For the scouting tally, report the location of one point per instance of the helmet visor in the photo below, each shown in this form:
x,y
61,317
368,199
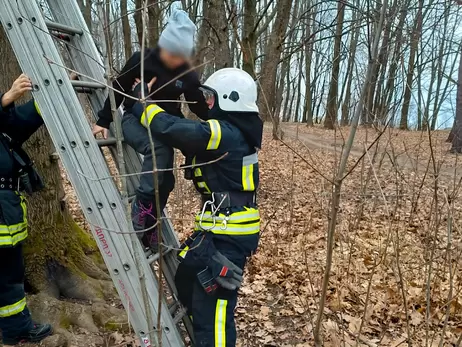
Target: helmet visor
x,y
209,96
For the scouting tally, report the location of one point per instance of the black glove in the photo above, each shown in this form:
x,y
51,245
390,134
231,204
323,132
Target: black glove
x,y
229,277
217,270
136,93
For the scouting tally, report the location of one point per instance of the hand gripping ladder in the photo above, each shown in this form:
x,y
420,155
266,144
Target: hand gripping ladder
x,y
32,37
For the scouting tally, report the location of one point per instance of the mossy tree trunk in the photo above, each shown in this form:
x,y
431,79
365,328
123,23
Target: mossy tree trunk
x,y
60,257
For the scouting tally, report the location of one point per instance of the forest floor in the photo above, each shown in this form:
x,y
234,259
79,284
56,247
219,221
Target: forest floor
x,y
397,252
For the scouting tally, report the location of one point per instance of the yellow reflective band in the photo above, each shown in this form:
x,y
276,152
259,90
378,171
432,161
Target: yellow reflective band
x,y
203,185
215,134
24,209
247,178
241,218
232,230
37,108
11,310
183,252
220,323
12,229
198,174
13,240
149,114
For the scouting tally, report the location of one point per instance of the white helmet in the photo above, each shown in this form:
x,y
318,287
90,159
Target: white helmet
x,y
236,90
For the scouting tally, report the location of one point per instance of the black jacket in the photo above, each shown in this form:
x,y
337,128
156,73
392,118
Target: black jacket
x,y
153,67
18,123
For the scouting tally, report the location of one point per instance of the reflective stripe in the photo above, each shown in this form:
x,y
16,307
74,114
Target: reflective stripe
x,y
11,310
204,186
232,230
215,134
250,159
183,252
12,240
248,162
220,323
149,114
37,108
199,179
10,235
12,229
242,218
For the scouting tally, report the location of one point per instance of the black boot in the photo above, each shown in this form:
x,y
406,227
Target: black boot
x,y
36,334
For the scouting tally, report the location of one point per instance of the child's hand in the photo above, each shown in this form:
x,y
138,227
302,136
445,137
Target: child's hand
x,y
150,84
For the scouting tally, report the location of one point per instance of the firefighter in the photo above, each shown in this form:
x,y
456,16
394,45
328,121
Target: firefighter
x,y
17,124
223,152
167,67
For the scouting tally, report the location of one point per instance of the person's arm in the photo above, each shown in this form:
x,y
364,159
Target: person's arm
x,y
123,83
185,134
193,94
22,121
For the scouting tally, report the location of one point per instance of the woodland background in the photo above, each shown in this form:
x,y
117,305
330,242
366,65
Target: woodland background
x,y
360,190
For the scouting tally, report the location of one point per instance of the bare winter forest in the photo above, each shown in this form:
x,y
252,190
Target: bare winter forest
x,y
361,174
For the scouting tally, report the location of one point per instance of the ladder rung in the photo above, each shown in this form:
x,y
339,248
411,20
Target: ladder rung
x,y
111,141
63,28
156,256
83,90
179,316
86,84
173,307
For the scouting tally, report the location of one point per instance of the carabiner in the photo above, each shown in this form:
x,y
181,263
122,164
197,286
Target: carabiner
x,y
212,204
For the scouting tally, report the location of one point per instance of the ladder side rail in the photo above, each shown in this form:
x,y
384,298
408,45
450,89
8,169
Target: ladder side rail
x,y
49,107
92,65
106,244
87,60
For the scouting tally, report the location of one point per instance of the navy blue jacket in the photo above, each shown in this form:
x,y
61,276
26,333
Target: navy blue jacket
x,y
18,123
236,171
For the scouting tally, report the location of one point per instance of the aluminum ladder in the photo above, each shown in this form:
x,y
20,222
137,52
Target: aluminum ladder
x,y
34,32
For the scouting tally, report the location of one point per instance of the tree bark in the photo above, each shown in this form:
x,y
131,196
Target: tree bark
x,y
345,117
456,132
138,20
332,109
127,31
219,34
308,109
154,28
249,37
273,50
57,251
410,69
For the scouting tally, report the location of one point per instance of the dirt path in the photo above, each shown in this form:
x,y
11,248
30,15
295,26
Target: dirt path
x,y
403,159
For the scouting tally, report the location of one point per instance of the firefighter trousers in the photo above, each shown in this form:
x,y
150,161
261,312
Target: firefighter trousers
x,y
212,315
14,315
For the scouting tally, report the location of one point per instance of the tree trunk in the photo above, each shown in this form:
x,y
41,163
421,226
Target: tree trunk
x,y
126,29
249,37
154,28
57,251
456,132
308,109
332,109
410,69
202,48
219,33
138,20
273,50
345,118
